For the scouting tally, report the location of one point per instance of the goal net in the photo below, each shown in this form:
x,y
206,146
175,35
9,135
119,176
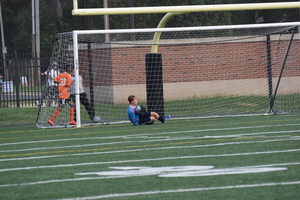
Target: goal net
x,y
196,72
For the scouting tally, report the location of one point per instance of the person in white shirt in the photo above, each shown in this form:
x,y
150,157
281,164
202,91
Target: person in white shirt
x,y
51,91
82,96
51,74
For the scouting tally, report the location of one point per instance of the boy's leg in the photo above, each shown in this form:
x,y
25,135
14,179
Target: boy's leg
x,y
51,120
160,118
147,119
71,102
163,119
72,112
157,116
85,102
154,114
57,111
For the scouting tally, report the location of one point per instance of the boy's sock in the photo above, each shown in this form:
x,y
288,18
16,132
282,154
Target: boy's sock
x,y
55,114
161,118
72,114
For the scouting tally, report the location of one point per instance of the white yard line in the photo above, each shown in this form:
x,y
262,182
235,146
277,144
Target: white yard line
x,y
113,177
147,134
146,149
147,160
184,190
148,139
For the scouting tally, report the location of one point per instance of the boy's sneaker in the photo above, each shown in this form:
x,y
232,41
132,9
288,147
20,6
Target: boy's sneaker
x,y
38,103
165,118
72,122
51,122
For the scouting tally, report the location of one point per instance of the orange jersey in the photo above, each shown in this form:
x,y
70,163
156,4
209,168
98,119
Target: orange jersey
x,y
64,82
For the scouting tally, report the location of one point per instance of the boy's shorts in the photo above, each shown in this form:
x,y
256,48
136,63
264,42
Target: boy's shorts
x,y
146,119
63,101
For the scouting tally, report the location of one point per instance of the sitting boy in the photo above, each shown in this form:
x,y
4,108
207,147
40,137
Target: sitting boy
x,y
138,115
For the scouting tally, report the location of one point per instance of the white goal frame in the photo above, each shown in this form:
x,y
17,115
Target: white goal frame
x,y
153,30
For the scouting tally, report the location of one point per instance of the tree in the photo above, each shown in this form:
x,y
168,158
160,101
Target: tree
x,y
56,17
15,24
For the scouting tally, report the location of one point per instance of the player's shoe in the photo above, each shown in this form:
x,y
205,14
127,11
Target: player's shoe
x,y
165,118
72,122
51,122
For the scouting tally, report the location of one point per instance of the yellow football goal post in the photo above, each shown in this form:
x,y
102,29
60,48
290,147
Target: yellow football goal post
x,y
187,8
177,10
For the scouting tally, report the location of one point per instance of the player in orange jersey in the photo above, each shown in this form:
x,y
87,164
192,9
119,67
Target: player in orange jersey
x,y
64,82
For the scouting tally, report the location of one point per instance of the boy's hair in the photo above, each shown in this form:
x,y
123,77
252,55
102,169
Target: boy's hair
x,y
131,98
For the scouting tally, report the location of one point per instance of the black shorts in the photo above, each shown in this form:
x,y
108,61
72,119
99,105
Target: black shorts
x,y
146,119
52,90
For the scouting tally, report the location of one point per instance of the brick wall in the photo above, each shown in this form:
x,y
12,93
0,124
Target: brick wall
x,y
185,62
206,62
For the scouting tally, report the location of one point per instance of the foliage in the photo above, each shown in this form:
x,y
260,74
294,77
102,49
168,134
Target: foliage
x,y
17,21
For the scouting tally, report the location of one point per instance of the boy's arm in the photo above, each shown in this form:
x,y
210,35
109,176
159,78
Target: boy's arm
x,y
56,79
69,80
132,116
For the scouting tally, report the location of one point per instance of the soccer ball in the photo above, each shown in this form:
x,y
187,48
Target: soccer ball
x,y
96,119
137,108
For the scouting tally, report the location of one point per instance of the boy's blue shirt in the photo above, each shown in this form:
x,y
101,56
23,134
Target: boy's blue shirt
x,y
132,115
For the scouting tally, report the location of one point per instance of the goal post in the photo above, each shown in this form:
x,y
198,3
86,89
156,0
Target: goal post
x,y
273,96
209,71
154,83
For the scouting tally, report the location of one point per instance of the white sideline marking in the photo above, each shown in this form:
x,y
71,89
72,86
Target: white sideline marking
x,y
146,134
144,141
148,149
109,177
183,190
146,160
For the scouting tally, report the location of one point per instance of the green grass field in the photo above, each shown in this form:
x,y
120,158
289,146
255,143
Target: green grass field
x,y
18,116
214,158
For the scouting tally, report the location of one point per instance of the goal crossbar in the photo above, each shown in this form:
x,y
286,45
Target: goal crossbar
x,y
190,8
153,30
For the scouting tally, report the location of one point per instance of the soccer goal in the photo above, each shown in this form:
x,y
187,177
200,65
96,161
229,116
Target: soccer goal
x,y
196,71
